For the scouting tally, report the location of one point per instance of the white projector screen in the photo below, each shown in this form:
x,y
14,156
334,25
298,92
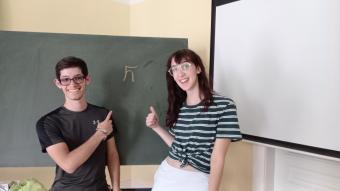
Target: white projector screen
x,y
279,60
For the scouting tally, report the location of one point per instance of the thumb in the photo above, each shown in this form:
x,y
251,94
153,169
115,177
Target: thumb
x,y
108,116
152,110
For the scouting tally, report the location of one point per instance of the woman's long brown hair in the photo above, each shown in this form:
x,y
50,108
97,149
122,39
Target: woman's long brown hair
x,y
176,96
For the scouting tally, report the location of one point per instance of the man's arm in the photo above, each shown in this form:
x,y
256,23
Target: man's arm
x,y
113,164
70,161
217,163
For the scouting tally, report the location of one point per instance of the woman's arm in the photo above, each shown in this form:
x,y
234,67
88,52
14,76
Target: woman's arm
x,y
217,163
153,122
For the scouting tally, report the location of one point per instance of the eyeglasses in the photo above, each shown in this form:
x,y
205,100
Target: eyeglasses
x,y
76,80
184,67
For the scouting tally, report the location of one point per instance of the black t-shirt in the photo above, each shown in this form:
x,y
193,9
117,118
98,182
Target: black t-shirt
x,y
75,128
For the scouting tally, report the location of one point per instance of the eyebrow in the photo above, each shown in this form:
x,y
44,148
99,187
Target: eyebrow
x,y
184,61
66,76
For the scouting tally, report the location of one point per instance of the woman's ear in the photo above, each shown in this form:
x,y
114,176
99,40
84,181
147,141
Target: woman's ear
x,y
198,70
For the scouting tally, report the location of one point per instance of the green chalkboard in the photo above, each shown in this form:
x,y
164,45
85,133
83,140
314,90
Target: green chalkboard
x,y
128,75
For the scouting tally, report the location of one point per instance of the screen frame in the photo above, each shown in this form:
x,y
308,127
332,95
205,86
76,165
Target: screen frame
x,y
253,138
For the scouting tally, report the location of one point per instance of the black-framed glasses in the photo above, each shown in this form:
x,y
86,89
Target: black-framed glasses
x,y
75,79
184,67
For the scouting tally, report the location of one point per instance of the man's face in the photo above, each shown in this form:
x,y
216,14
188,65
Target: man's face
x,y
72,82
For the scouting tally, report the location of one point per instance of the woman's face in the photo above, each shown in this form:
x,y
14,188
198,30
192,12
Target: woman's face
x,y
185,74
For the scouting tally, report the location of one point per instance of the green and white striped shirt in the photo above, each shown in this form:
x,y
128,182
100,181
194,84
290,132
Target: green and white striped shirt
x,y
196,130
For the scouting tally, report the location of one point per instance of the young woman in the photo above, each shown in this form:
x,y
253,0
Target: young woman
x,y
201,126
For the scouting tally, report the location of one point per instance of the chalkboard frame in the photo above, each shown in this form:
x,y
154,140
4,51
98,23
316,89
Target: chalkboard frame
x,y
106,57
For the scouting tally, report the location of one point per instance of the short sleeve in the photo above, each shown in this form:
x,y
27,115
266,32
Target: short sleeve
x,y
171,131
48,133
114,130
227,125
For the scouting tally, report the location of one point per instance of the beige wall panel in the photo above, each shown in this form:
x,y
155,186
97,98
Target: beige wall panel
x,y
237,173
45,175
238,168
174,18
132,176
65,16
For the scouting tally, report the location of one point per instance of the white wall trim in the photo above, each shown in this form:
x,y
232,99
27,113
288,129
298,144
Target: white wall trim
x,y
298,172
279,169
294,151
263,168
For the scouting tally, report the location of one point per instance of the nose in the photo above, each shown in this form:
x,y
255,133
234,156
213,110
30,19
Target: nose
x,y
179,73
72,82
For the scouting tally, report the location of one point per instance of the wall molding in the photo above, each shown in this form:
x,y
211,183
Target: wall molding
x,y
129,2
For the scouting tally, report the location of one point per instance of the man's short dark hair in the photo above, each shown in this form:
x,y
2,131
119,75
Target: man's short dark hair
x,y
71,62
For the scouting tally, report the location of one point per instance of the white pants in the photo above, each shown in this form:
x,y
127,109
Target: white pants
x,y
169,178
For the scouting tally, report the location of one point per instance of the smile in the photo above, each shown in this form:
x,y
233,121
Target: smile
x,y
184,80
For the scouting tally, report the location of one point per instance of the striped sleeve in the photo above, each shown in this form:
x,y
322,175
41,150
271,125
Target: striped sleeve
x,y
227,125
171,131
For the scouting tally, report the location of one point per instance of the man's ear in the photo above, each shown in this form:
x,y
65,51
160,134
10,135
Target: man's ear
x,y
88,79
57,83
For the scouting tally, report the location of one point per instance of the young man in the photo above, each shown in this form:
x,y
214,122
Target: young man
x,y
78,136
